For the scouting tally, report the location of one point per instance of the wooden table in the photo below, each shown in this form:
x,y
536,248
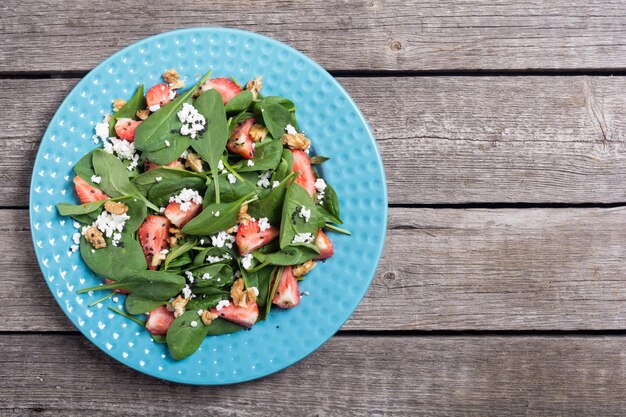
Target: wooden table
x,y
502,288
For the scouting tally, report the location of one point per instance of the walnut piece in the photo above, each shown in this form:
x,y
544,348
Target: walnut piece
x,y
242,215
207,317
173,79
242,297
255,86
176,232
258,132
157,259
115,208
118,103
179,305
194,162
303,269
172,240
95,237
143,114
297,141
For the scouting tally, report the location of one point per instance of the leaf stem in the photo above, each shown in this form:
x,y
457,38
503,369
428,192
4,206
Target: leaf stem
x,y
128,316
216,182
106,297
230,168
337,229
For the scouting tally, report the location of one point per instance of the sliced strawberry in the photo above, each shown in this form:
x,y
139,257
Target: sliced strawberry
x,y
287,294
302,163
179,217
325,246
159,95
250,237
110,281
125,128
225,86
240,141
153,234
86,193
243,316
148,166
159,320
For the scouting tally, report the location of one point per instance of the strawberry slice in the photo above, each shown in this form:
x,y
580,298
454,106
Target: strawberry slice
x,y
159,95
287,294
225,86
159,320
110,281
250,237
86,193
148,166
153,234
325,246
302,163
179,217
243,316
125,128
240,141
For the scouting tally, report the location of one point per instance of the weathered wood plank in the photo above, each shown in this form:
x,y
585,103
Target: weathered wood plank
x,y
340,35
443,139
482,376
441,270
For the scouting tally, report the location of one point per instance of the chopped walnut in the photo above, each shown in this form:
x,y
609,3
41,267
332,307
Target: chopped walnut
x,y
115,208
194,162
241,297
297,141
118,103
172,240
157,259
173,79
95,237
258,132
143,114
207,317
176,232
179,305
242,215
255,86
303,269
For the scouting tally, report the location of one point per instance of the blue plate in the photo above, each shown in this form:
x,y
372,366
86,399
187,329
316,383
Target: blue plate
x,y
327,115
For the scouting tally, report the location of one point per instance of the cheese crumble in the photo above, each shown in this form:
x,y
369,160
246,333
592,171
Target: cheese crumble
x,y
246,261
193,122
185,198
264,179
222,304
264,224
302,238
305,213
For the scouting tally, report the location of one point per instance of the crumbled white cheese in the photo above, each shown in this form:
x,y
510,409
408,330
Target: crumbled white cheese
x,y
186,291
305,213
222,304
184,155
193,323
109,224
206,276
291,130
213,259
193,122
96,179
200,312
320,186
117,237
123,149
161,209
255,290
217,214
246,261
158,179
222,239
220,165
264,179
201,241
167,143
76,238
154,107
232,179
102,129
172,94
185,198
302,238
227,256
250,163
275,184
264,224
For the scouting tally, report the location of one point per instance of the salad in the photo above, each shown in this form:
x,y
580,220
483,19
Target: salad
x,y
202,206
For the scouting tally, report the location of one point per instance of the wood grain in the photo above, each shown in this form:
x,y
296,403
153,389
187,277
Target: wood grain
x,y
442,139
341,35
472,376
507,269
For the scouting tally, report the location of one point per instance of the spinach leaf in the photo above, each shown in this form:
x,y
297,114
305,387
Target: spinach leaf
x,y
137,212
329,207
269,100
276,118
318,159
273,287
290,255
179,251
292,223
137,305
221,326
284,167
201,257
147,180
267,155
110,261
271,205
167,154
240,102
207,301
230,192
66,209
261,279
180,262
185,335
152,133
234,121
207,223
210,145
221,275
161,192
152,285
84,169
129,110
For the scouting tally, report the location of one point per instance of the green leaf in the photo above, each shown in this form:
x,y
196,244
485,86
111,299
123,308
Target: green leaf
x,y
292,223
271,205
221,276
261,279
207,223
207,301
329,207
221,326
110,261
66,209
234,121
272,288
269,100
179,251
229,191
167,154
84,169
167,187
276,118
267,155
284,167
137,305
152,285
147,180
240,102
318,159
152,133
137,212
201,257
129,110
180,262
291,255
185,335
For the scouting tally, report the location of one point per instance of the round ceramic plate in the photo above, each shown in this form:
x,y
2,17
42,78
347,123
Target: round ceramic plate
x,y
328,116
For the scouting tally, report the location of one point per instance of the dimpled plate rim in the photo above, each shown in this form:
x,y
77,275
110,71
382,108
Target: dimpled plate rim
x,y
363,199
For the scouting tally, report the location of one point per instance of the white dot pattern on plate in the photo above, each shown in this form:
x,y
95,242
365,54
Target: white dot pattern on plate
x,y
326,114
